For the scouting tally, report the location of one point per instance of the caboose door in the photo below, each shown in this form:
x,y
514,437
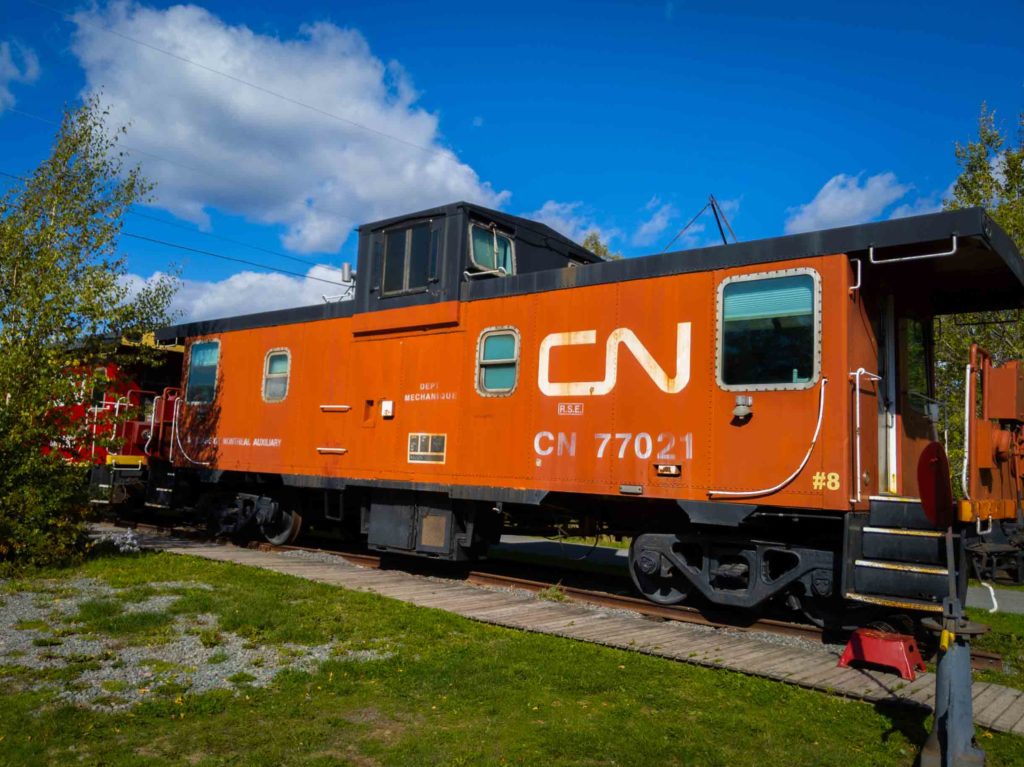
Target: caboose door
x,y
907,411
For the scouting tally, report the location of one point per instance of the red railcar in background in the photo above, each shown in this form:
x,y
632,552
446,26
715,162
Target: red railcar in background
x,y
109,423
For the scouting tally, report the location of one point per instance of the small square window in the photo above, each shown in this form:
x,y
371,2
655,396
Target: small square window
x,y
491,250
497,362
275,375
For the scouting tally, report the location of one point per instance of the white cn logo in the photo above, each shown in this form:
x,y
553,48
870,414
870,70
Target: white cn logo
x,y
623,336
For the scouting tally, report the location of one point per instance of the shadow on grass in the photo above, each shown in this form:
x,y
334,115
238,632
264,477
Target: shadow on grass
x,y
912,722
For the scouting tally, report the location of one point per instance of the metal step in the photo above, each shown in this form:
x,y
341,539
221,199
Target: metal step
x,y
903,513
904,531
902,567
898,604
900,580
901,545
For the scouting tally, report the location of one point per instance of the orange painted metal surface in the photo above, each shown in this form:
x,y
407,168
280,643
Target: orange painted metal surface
x,y
588,414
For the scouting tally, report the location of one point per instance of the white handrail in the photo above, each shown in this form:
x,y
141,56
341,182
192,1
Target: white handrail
x,y
176,437
152,425
950,252
968,414
854,288
795,474
856,377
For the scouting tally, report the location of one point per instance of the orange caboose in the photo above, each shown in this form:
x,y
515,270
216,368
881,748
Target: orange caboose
x,y
761,416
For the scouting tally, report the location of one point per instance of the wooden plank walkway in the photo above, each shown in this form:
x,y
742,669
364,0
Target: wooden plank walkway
x,y
995,707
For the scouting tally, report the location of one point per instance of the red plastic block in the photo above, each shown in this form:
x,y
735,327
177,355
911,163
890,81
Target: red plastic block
x,y
880,648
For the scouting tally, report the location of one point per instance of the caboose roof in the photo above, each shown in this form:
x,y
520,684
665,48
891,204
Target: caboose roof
x,y
520,225
985,272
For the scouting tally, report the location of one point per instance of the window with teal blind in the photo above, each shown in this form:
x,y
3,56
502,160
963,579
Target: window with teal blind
x,y
768,332
498,361
202,371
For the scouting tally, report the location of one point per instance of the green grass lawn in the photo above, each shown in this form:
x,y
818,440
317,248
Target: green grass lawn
x,y
440,690
1006,637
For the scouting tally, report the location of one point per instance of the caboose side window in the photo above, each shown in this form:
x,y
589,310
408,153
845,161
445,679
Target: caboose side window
x,y
202,371
410,256
490,250
497,361
275,375
769,331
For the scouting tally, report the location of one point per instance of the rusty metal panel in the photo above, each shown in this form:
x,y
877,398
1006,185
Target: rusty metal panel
x,y
410,317
982,449
434,530
1005,392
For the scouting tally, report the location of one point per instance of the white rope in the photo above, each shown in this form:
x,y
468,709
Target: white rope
x,y
176,437
991,593
800,468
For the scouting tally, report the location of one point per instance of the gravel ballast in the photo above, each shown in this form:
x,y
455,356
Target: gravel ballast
x,y
40,631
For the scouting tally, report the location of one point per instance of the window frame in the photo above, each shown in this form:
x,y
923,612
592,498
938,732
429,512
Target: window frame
x,y
720,329
481,365
216,372
495,231
266,374
432,257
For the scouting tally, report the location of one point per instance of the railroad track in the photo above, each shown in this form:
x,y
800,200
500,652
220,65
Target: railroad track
x,y
980,659
607,599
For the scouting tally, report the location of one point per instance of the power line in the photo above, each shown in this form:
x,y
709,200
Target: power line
x,y
231,240
259,248
247,83
228,258
136,150
221,256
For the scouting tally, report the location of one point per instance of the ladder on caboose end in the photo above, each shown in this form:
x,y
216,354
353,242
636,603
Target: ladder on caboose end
x,y
895,558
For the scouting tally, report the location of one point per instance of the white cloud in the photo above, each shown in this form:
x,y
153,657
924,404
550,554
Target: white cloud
x,y
922,205
846,200
649,231
572,220
918,207
731,207
246,292
11,71
245,152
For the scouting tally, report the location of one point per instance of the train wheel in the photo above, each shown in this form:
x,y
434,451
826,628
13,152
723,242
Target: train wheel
x,y
655,577
283,529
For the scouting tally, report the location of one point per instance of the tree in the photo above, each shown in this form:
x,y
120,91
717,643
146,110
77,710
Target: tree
x,y
992,176
595,245
65,306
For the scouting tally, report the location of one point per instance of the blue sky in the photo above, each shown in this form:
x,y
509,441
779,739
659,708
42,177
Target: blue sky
x,y
615,116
